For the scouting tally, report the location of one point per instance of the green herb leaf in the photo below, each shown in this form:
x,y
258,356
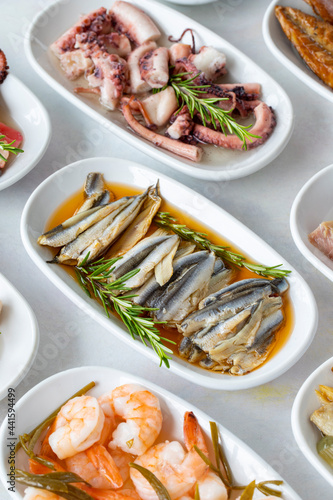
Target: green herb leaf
x,y
4,146
166,221
154,482
57,482
93,278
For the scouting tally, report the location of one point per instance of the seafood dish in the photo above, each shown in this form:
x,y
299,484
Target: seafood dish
x,y
10,139
131,249
216,163
312,38
19,336
323,420
284,50
127,180
135,430
312,419
173,90
322,238
311,229
24,122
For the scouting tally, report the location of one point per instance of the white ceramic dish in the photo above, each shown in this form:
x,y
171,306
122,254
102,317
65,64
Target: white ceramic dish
x,y
59,186
191,2
305,432
40,401
313,205
282,49
19,337
217,164
31,118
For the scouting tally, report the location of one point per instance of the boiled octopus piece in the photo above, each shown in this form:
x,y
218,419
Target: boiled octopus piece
x,y
154,67
264,126
134,23
98,21
136,84
179,51
210,61
190,152
112,43
109,76
75,63
248,91
3,66
159,107
182,124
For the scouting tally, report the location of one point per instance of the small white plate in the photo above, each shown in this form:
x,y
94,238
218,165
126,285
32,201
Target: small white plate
x,y
305,432
28,113
282,49
313,205
59,186
217,163
19,337
45,397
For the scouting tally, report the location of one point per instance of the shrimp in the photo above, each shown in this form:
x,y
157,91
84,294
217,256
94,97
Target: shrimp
x,y
38,494
177,469
77,427
97,467
125,494
143,419
211,487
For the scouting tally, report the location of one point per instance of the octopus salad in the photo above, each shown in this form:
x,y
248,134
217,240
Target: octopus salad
x,y
109,447
222,324
174,97
323,419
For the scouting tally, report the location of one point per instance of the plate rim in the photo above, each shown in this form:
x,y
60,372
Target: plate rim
x,y
25,170
250,380
166,395
313,84
173,161
295,232
313,459
18,377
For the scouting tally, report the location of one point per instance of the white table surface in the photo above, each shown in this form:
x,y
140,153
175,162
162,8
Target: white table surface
x,y
262,201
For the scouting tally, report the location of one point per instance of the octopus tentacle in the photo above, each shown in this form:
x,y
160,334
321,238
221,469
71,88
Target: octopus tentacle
x,y
188,151
3,66
264,126
182,124
98,21
133,22
154,67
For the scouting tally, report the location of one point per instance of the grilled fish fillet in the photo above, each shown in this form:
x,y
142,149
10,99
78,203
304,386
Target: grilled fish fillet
x,y
324,8
313,39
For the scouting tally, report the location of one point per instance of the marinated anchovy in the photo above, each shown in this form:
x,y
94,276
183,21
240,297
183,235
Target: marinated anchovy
x,y
234,331
145,256
184,294
95,193
140,225
112,231
71,252
67,231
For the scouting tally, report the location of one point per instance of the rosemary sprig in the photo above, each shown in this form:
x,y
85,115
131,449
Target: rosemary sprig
x,y
93,278
4,146
165,220
189,93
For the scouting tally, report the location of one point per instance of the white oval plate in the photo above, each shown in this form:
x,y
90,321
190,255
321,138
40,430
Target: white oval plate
x,y
313,205
45,397
305,432
282,49
59,186
19,337
34,124
217,164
